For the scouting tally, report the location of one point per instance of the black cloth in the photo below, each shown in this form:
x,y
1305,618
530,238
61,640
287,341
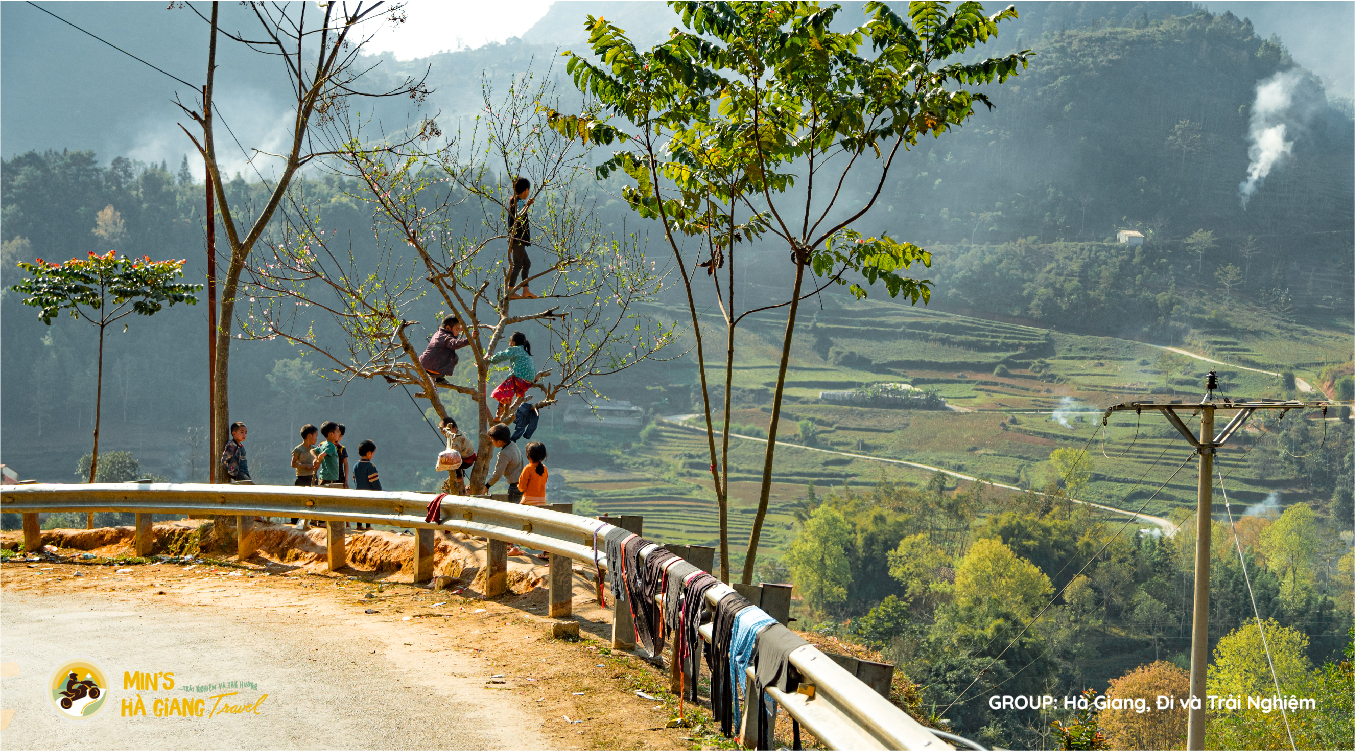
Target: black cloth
x,y
343,465
717,658
631,563
672,594
689,638
771,664
365,476
611,547
304,481
645,611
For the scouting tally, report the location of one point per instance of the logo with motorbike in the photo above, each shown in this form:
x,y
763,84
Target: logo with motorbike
x,y
78,689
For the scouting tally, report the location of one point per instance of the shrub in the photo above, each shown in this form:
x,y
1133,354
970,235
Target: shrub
x,y
1345,389
1001,370
1287,380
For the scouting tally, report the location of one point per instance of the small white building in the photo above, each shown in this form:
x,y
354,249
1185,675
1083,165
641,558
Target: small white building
x,y
1130,237
617,414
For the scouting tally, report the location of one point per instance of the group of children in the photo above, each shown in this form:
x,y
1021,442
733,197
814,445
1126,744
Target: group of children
x,y
321,459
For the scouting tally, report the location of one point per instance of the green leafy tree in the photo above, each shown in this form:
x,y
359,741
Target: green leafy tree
x,y
117,466
102,290
1200,242
916,563
1291,545
754,100
990,574
1242,666
818,559
1074,468
1228,276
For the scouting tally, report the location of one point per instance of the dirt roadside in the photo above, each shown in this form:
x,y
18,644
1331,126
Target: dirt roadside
x,y
501,644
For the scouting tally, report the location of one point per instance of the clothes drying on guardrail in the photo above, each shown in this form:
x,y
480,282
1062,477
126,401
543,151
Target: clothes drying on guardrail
x,y
645,612
678,574
691,618
435,510
771,665
611,546
747,626
717,657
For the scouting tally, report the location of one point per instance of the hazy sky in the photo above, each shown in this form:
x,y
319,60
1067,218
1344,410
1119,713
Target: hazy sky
x,y
475,24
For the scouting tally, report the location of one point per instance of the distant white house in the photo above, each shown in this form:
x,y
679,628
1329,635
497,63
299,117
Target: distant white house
x,y
1130,237
617,414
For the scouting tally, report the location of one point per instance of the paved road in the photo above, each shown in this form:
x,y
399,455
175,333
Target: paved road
x,y
1166,526
331,682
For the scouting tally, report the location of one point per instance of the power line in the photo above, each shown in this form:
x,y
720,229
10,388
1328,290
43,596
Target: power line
x,y
1246,577
958,699
114,46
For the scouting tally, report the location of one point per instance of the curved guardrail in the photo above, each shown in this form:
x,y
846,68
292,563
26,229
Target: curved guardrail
x,y
840,710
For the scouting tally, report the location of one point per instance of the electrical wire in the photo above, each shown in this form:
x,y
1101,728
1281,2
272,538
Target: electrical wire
x,y
422,414
1137,426
1246,577
114,46
960,698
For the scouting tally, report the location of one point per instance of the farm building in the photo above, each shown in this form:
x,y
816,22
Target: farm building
x,y
1130,237
618,414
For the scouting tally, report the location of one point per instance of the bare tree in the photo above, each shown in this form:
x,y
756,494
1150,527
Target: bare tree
x,y
318,51
441,221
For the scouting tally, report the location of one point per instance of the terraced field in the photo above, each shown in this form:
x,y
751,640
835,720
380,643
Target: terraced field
x,y
1016,393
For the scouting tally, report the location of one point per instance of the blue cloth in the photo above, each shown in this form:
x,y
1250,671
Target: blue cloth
x,y
524,422
747,624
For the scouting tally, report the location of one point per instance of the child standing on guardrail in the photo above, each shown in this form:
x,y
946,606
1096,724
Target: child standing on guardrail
x,y
532,481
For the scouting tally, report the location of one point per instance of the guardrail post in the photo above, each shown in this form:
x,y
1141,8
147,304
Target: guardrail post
x,y
564,508
561,586
701,556
32,534
748,730
334,544
244,527
496,568
144,538
425,544
776,601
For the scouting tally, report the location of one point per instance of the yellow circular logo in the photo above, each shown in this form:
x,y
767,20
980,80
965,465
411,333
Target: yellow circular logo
x,y
78,689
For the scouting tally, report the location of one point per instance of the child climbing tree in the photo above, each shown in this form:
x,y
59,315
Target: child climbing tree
x,y
442,224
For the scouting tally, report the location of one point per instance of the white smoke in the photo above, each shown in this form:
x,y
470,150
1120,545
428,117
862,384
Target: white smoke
x,y
1068,406
1274,117
1269,508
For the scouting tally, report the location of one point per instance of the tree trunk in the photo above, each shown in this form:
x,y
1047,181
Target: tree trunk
x,y
722,479
216,442
751,560
98,413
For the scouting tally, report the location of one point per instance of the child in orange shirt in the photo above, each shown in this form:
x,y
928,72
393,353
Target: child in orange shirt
x,y
532,482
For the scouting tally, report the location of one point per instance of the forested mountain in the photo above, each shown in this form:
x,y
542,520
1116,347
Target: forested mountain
x,y
1131,115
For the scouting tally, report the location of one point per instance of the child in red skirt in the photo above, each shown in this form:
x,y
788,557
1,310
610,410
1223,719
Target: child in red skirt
x,y
524,372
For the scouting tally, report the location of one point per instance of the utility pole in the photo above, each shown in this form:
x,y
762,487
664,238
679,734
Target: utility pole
x,y
1206,445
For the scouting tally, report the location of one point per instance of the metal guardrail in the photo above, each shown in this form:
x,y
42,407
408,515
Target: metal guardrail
x,y
841,711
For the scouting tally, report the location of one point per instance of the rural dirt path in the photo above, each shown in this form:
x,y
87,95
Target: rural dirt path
x,y
1166,526
345,664
1219,362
